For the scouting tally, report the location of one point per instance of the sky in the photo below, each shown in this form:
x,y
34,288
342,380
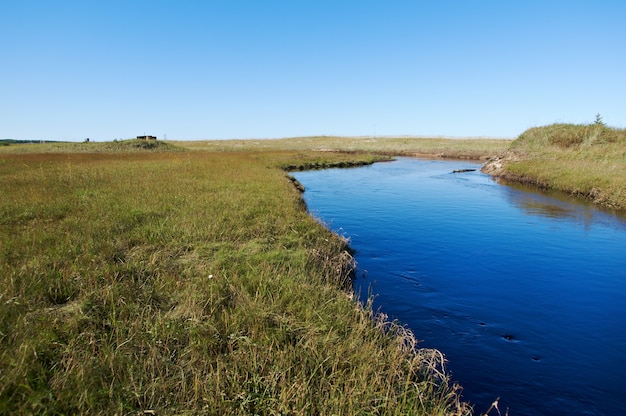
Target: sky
x,y
237,69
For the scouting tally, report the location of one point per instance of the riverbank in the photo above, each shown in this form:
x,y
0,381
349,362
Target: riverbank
x,y
170,281
587,161
188,277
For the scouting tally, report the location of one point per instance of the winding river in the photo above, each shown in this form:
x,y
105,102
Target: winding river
x,y
524,292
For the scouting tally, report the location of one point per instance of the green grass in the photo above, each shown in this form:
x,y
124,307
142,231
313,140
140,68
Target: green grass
x,y
117,146
187,277
584,160
189,282
470,148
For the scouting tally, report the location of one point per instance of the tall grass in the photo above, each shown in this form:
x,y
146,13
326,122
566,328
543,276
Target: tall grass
x,y
584,160
189,283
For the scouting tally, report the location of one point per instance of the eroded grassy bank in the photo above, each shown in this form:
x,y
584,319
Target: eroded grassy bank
x,y
189,282
139,277
583,160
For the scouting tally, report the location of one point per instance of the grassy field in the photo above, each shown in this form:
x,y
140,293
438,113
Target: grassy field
x,y
584,160
471,148
159,280
117,146
187,278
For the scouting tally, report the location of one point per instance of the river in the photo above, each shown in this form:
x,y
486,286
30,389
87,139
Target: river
x,y
524,292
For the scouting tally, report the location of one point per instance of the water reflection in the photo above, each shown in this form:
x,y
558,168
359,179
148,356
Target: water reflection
x,y
558,205
524,292
534,207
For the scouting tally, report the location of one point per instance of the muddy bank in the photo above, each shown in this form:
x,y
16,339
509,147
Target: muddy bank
x,y
497,169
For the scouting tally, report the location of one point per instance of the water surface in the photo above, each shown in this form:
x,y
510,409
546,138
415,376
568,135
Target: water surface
x,y
524,292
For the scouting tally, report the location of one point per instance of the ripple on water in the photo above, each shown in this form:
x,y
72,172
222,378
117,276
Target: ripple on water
x,y
524,292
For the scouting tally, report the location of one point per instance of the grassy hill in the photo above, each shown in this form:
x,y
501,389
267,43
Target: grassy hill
x,y
586,160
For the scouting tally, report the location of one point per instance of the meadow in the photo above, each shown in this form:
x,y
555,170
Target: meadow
x,y
164,280
188,278
468,148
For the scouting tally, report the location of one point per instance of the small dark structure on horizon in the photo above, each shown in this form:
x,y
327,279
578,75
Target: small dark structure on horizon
x,y
146,138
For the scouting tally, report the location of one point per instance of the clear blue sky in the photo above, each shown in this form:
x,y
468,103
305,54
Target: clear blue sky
x,y
219,69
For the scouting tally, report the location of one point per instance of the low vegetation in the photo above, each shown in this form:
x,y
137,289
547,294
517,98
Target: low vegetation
x,y
116,146
154,281
470,148
187,278
586,160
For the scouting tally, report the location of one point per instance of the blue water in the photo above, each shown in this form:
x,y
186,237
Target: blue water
x,y
525,293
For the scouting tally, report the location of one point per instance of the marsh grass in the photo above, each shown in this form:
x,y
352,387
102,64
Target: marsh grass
x,y
189,283
116,146
583,160
469,148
